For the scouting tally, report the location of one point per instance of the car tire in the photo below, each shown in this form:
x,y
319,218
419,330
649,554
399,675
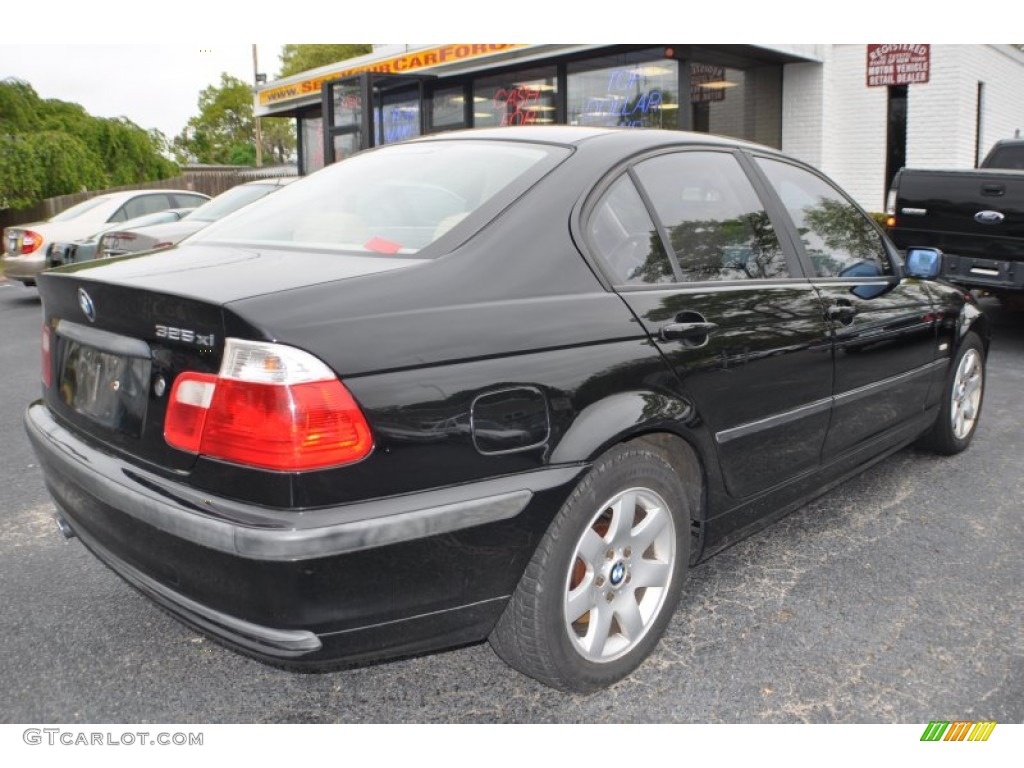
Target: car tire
x,y
962,396
605,579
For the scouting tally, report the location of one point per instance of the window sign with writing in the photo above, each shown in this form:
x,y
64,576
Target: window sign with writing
x,y
524,98
635,95
892,64
707,83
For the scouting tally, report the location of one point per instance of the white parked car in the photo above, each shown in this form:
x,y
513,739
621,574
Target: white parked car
x,y
25,245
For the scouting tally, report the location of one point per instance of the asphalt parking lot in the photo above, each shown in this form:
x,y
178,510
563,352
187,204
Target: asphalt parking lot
x,y
896,597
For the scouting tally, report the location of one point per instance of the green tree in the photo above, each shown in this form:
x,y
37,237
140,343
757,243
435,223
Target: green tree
x,y
66,164
19,111
278,139
21,178
298,58
50,147
223,125
127,152
224,131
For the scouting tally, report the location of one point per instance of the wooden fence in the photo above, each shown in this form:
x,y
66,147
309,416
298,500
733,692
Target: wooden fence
x,y
210,180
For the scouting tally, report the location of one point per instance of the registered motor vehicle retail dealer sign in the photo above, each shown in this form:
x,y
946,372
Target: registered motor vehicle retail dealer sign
x,y
889,64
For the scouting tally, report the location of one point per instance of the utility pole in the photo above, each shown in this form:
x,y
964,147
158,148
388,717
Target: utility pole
x,y
259,131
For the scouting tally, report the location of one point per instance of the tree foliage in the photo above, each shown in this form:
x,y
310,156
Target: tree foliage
x,y
222,127
224,130
50,147
298,58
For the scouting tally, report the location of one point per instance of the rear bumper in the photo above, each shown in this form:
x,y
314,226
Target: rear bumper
x,y
994,274
59,254
23,268
363,580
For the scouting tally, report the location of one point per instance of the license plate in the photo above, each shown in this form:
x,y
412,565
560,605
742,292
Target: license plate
x,y
109,389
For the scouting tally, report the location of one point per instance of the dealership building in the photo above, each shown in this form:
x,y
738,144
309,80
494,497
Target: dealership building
x,y
858,112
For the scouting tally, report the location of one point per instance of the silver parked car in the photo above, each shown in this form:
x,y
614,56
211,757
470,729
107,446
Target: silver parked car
x,y
130,240
87,249
26,245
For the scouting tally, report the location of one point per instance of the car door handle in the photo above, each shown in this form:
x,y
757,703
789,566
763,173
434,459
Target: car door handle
x,y
687,331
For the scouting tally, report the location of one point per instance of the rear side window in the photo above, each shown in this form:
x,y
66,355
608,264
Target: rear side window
x,y
1009,157
141,206
395,200
621,231
715,222
838,238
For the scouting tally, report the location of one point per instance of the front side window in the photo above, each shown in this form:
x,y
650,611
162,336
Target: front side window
x,y
393,201
716,224
187,201
838,238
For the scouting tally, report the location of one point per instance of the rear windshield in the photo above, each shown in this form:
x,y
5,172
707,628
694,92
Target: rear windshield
x,y
1011,158
395,200
77,210
230,201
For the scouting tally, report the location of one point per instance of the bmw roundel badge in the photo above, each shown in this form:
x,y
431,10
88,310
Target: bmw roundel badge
x,y
85,302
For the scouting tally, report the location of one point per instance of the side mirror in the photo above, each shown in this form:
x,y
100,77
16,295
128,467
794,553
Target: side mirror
x,y
924,263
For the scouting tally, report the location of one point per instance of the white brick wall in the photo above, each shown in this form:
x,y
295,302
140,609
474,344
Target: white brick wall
x,y
855,127
942,113
833,120
803,111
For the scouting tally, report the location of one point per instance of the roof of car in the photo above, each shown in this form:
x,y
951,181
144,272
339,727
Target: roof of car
x,y
272,181
575,135
124,194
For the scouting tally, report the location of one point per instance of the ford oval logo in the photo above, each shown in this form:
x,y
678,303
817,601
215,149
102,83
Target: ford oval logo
x,y
988,217
85,302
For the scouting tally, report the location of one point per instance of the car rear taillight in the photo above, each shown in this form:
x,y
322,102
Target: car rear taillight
x,y
162,245
47,365
269,406
30,241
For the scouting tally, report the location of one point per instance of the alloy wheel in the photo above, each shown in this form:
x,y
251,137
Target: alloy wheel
x,y
966,396
620,574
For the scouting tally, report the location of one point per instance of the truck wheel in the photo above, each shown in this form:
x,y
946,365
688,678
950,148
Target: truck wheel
x,y
606,578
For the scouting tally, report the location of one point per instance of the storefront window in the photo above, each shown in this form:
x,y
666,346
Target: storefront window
x,y
312,129
348,104
448,108
398,115
519,98
345,145
742,103
624,90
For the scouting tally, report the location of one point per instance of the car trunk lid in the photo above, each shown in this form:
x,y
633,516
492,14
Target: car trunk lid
x,y
123,331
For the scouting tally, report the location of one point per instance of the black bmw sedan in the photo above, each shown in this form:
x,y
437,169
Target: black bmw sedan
x,y
506,384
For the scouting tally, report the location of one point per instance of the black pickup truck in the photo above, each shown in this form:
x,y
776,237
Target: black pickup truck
x,y
975,217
